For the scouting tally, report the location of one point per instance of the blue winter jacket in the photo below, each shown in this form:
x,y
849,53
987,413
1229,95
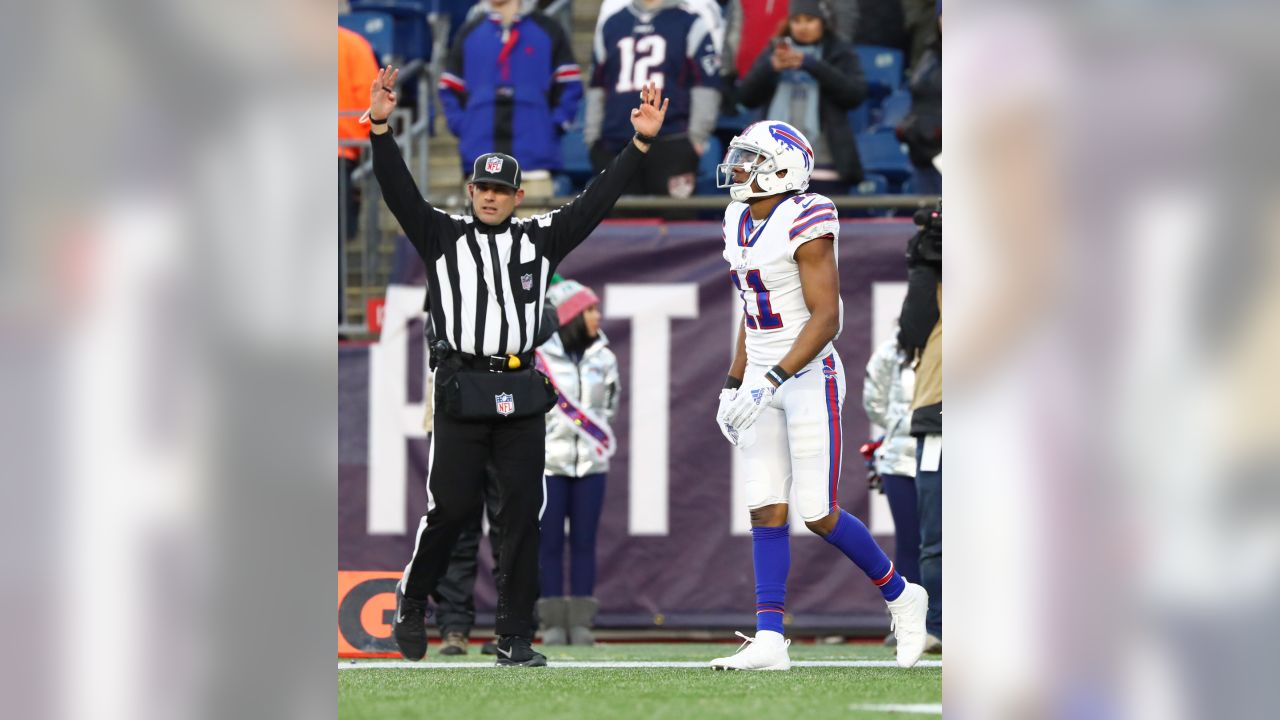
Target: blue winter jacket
x,y
511,89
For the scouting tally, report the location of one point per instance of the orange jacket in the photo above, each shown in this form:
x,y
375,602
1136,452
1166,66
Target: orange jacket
x,y
357,67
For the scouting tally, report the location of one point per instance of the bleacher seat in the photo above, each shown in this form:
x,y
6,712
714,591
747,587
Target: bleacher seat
x,y
705,183
872,184
908,187
882,154
575,157
562,186
409,19
894,108
883,68
860,117
376,27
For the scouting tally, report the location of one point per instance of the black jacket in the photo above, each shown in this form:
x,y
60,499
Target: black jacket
x,y
920,315
921,129
842,86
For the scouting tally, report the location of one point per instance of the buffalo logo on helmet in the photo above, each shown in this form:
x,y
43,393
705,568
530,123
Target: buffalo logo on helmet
x,y
493,165
784,135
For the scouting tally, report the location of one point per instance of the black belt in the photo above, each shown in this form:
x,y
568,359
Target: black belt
x,y
491,363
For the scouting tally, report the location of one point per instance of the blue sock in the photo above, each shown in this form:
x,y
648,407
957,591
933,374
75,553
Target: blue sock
x,y
771,553
854,540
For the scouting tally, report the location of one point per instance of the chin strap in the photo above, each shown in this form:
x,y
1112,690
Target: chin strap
x,y
740,196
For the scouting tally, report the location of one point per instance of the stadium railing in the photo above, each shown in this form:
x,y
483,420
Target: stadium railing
x,y
707,202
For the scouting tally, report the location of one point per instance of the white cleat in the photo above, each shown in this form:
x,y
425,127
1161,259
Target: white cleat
x,y
908,611
766,651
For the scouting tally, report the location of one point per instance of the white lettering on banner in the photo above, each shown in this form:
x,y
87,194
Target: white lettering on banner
x,y
886,306
392,418
650,308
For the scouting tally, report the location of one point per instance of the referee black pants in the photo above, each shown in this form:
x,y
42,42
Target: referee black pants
x,y
455,593
455,492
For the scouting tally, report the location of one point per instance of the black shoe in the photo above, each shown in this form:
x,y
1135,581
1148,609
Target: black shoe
x,y
515,650
489,648
410,626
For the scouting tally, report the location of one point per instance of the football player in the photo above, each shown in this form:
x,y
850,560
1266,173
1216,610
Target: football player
x,y
782,399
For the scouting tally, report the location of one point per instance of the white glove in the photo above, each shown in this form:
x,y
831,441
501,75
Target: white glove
x,y
722,416
750,401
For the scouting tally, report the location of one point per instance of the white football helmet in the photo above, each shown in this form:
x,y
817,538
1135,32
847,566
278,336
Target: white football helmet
x,y
762,150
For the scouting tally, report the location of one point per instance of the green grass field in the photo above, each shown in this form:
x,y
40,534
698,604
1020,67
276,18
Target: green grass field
x,y
368,691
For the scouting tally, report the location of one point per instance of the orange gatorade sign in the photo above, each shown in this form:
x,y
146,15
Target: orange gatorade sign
x,y
366,607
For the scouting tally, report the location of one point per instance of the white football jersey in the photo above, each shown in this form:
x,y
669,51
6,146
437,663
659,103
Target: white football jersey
x,y
761,257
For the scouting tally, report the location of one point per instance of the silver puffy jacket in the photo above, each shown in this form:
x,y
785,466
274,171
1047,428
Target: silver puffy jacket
x,y
591,384
886,396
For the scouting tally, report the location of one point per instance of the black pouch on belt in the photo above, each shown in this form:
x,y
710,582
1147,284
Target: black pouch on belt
x,y
483,395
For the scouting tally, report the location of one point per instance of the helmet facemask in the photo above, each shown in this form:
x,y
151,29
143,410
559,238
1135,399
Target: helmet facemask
x,y
761,168
754,161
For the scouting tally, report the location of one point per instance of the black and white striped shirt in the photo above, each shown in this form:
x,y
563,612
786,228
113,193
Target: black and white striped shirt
x,y
487,283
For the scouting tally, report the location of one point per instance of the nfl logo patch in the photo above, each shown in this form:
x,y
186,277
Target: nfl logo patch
x,y
506,404
493,165
526,281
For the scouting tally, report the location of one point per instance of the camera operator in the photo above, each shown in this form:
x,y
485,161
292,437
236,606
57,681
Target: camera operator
x,y
920,337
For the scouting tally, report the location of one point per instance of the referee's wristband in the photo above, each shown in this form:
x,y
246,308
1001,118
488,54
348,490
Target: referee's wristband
x,y
778,375
375,121
646,139
732,383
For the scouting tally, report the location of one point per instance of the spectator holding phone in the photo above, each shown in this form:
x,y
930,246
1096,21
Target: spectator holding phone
x,y
811,78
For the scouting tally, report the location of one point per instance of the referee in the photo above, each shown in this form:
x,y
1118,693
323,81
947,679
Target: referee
x,y
487,276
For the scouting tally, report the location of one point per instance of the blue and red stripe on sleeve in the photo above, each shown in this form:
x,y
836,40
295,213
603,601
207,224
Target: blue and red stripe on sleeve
x,y
796,230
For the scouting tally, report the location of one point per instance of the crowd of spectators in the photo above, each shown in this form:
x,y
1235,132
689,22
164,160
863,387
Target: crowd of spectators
x,y
509,82
811,78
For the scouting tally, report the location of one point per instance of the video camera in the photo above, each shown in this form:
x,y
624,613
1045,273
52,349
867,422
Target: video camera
x,y
925,247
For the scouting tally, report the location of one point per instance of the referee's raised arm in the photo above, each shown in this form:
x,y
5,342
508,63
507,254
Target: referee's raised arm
x,y
572,223
406,203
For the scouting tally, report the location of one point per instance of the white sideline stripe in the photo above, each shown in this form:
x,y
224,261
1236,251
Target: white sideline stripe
x,y
349,665
917,709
